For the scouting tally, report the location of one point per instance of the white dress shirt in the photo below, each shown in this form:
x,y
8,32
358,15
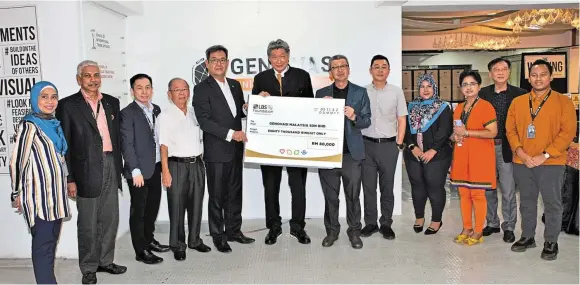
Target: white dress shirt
x,y
179,132
225,87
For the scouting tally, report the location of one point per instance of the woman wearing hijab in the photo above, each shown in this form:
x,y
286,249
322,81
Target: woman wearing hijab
x,y
38,174
428,153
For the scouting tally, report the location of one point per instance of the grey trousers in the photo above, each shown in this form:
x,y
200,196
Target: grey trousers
x,y
185,194
98,221
547,180
380,162
330,183
508,196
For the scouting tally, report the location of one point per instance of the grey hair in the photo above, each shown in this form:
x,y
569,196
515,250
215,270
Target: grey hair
x,y
84,64
276,45
338,57
176,79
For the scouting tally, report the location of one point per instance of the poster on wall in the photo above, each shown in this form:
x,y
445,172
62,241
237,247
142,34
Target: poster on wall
x,y
19,71
557,60
104,37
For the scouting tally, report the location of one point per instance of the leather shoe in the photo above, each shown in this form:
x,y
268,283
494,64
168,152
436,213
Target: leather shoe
x,y
148,257
356,242
272,236
89,278
301,236
508,236
241,238
523,244
387,232
487,231
179,255
201,247
223,246
328,241
369,230
112,269
157,247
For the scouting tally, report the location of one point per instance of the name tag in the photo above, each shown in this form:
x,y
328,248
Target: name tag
x,y
531,133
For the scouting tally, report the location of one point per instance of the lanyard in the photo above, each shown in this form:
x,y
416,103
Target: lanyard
x,y
95,116
534,114
465,115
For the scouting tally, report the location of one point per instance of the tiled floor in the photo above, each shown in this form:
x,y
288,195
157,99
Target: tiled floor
x,y
410,258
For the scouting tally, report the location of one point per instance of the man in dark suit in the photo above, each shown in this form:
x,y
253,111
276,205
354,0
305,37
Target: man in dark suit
x,y
142,168
283,80
500,95
90,122
357,112
218,103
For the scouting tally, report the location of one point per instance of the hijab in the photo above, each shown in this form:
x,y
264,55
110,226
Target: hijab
x,y
424,112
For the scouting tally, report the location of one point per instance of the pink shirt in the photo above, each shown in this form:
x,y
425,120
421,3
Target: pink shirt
x,y
101,121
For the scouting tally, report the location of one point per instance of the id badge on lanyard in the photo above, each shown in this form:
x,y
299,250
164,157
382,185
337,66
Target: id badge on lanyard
x,y
531,131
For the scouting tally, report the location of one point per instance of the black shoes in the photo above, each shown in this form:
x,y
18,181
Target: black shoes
x,y
112,269
241,238
221,244
508,236
148,257
523,244
431,231
272,236
328,241
369,230
157,247
89,278
201,247
487,231
550,251
356,242
301,236
387,232
179,255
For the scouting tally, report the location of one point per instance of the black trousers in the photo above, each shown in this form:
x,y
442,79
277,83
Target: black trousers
x,y
44,239
186,193
271,177
330,182
224,182
428,181
145,202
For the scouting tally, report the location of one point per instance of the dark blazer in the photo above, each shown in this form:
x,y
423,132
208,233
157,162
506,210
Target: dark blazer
x,y
435,137
84,157
215,119
487,93
295,83
137,141
358,99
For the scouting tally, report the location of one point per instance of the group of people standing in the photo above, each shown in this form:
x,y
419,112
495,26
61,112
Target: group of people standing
x,y
81,145
499,131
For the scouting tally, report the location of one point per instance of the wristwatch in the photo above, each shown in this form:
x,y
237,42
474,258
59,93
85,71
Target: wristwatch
x,y
401,146
546,155
411,147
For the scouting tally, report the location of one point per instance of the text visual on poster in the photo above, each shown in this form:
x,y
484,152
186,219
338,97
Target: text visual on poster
x,y
19,71
291,131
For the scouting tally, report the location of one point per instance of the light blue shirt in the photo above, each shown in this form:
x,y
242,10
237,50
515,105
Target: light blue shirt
x,y
148,110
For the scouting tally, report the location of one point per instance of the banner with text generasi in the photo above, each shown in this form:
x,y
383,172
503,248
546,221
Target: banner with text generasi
x,y
244,70
19,71
557,60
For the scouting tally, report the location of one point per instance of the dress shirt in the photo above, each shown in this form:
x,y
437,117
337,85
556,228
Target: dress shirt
x,y
179,132
148,110
387,104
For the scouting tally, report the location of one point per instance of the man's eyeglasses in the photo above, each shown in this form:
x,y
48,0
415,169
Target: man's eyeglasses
x,y
179,90
468,84
339,67
221,60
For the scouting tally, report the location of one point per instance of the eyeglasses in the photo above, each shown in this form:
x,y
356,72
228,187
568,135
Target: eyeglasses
x,y
469,84
221,60
500,70
179,90
339,67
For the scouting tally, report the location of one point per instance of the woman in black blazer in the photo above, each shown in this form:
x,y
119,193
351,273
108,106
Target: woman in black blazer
x,y
428,153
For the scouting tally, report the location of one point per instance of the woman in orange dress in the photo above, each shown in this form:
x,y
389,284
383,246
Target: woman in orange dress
x,y
473,167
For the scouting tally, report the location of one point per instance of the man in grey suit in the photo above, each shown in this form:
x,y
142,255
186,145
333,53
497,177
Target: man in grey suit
x,y
142,168
357,113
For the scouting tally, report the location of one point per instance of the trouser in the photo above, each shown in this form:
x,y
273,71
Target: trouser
x,y
473,199
98,221
330,182
145,202
44,240
508,195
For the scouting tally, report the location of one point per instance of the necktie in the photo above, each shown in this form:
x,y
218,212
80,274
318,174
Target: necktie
x,y
279,77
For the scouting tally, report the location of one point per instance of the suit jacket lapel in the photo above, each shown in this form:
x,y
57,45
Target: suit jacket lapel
x,y
86,110
213,84
237,97
108,114
141,114
349,96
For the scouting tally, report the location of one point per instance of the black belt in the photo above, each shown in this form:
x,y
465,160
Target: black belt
x,y
107,153
191,159
380,140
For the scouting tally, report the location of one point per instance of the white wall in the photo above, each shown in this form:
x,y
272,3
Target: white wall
x,y
59,35
171,37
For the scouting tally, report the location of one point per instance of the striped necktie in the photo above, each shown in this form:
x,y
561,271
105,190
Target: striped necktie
x,y
279,77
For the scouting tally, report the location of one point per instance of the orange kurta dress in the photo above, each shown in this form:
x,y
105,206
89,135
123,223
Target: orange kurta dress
x,y
473,163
